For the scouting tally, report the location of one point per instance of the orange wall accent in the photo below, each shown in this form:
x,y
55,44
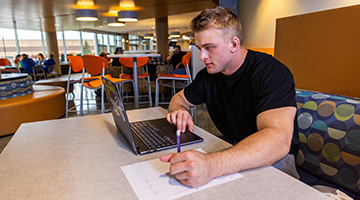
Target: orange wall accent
x,y
264,50
322,50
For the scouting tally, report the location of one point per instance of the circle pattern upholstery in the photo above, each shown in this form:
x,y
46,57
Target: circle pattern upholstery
x,y
15,88
329,134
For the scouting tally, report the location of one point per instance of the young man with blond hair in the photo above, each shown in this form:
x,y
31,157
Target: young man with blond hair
x,y
250,97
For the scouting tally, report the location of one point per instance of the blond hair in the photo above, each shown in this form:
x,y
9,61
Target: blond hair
x,y
218,18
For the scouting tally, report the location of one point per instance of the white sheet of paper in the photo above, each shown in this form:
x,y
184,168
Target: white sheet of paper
x,y
152,180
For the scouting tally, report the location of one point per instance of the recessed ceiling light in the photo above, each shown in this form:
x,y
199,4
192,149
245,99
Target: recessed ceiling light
x,y
112,21
127,16
86,15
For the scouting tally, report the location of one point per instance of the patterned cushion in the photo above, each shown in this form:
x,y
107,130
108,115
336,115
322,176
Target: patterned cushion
x,y
114,71
143,88
329,133
15,88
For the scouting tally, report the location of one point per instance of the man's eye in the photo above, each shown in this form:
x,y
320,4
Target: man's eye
x,y
209,48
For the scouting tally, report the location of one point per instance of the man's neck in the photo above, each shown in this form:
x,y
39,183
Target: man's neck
x,y
236,62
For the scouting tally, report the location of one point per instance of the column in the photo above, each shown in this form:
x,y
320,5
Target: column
x,y
108,44
64,47
52,46
96,44
162,35
16,38
125,45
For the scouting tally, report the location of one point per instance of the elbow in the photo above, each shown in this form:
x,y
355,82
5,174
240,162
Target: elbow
x,y
286,145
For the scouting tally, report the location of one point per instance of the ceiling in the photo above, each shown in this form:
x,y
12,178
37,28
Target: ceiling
x,y
59,15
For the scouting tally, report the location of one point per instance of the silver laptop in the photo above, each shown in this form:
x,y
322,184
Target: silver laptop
x,y
144,136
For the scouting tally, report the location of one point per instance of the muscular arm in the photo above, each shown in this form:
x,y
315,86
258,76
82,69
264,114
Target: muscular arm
x,y
270,144
265,147
178,112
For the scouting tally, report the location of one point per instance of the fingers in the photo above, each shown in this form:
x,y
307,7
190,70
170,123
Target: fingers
x,y
166,158
190,124
189,168
180,118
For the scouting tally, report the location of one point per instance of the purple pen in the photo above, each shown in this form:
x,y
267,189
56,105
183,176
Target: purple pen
x,y
178,140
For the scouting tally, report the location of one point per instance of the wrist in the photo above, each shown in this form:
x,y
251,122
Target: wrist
x,y
215,164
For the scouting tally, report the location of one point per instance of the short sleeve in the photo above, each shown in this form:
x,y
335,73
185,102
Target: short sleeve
x,y
274,88
195,92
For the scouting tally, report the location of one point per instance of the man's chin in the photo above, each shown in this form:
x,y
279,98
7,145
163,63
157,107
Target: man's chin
x,y
211,70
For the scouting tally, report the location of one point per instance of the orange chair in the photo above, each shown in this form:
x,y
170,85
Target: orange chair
x,y
174,78
5,62
141,61
95,65
76,65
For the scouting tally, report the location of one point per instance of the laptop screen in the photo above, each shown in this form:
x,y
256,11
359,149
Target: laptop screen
x,y
118,111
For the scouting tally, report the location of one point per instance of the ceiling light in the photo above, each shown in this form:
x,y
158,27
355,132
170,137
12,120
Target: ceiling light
x,y
85,3
185,37
127,16
175,34
86,15
112,21
148,36
127,3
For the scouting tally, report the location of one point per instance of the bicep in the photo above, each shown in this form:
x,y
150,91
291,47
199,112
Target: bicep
x,y
179,100
281,120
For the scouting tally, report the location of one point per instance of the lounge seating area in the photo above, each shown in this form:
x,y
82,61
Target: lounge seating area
x,y
329,134
44,103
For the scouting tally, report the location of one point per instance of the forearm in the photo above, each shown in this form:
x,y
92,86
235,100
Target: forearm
x,y
178,101
169,57
257,150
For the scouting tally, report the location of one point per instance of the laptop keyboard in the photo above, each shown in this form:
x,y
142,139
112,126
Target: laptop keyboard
x,y
151,136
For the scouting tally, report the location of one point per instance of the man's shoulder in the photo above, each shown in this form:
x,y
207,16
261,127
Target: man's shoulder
x,y
264,61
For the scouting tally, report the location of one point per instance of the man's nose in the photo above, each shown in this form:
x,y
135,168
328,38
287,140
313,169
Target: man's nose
x,y
203,55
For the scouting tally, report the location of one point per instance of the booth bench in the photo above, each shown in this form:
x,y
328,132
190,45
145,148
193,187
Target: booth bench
x,y
329,133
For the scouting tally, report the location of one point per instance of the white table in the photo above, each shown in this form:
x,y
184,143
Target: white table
x,y
81,158
134,56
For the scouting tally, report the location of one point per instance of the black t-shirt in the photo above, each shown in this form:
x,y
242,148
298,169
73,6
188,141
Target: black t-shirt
x,y
177,58
261,83
116,62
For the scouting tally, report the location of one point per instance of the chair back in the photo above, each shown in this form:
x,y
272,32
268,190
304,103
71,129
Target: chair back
x,y
76,63
51,68
128,62
95,64
4,61
186,61
38,69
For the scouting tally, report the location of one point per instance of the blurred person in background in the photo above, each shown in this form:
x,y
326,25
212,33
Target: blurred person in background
x,y
27,63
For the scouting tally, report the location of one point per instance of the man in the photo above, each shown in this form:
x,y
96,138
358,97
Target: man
x,y
153,63
250,97
115,61
176,58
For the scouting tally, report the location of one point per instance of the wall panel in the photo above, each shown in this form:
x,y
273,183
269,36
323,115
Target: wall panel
x,y
322,49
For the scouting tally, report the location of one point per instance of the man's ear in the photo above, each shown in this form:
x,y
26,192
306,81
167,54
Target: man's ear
x,y
235,44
